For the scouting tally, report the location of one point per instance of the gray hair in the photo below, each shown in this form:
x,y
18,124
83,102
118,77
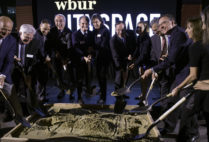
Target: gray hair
x,y
61,16
154,21
27,28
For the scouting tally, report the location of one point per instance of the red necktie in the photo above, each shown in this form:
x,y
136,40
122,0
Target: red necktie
x,y
164,46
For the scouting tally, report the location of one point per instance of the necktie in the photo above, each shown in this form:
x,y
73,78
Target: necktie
x,y
164,46
22,53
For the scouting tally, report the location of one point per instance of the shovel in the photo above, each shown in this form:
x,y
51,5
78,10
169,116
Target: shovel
x,y
17,117
148,92
125,90
32,93
162,117
161,99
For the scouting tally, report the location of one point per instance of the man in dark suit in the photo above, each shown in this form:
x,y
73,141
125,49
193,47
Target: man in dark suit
x,y
41,35
122,46
177,57
59,52
83,41
25,72
7,52
159,51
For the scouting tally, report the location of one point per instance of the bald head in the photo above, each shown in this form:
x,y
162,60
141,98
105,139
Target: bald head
x,y
6,26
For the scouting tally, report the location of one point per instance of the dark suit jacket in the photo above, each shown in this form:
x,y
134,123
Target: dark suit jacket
x,y
102,47
155,49
33,54
142,52
7,52
59,42
120,50
39,36
177,55
83,45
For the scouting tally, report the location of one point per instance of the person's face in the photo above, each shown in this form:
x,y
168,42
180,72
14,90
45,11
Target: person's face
x,y
84,25
26,38
165,25
141,28
189,30
155,28
45,28
5,29
120,30
59,22
96,23
203,22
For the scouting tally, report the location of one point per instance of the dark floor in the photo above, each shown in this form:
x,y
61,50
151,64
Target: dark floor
x,y
52,92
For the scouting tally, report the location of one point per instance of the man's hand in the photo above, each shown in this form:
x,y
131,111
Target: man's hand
x,y
2,78
163,57
129,57
131,66
154,76
48,59
87,60
146,73
17,59
201,85
175,91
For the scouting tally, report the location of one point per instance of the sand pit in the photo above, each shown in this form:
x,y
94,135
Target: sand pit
x,y
87,125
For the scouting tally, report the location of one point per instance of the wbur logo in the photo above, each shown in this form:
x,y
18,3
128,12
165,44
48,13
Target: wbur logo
x,y
75,5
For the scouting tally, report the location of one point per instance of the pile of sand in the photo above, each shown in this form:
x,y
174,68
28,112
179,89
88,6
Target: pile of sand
x,y
87,124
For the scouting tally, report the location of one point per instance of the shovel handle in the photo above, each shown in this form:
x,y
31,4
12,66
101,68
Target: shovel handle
x,y
164,115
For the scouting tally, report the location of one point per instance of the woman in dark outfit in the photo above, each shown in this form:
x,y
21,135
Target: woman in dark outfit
x,y
101,41
141,55
199,70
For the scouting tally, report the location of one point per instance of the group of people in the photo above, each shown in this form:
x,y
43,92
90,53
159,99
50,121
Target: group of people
x,y
29,58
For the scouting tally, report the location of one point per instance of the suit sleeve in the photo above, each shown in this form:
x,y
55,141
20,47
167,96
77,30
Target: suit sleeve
x,y
115,55
10,58
144,54
173,52
75,42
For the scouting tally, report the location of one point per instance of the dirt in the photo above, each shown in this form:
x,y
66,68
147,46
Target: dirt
x,y
82,124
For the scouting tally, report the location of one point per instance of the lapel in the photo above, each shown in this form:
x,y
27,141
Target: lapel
x,y
158,46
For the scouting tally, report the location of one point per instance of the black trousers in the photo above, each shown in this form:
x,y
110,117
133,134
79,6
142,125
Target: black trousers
x,y
101,70
165,84
201,104
121,76
82,73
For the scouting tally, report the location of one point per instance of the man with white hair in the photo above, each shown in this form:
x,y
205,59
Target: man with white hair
x,y
59,51
25,72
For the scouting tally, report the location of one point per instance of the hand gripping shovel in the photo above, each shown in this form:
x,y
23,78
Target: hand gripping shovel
x,y
162,117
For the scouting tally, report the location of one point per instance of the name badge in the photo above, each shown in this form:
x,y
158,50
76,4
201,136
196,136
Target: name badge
x,y
99,35
29,55
82,42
